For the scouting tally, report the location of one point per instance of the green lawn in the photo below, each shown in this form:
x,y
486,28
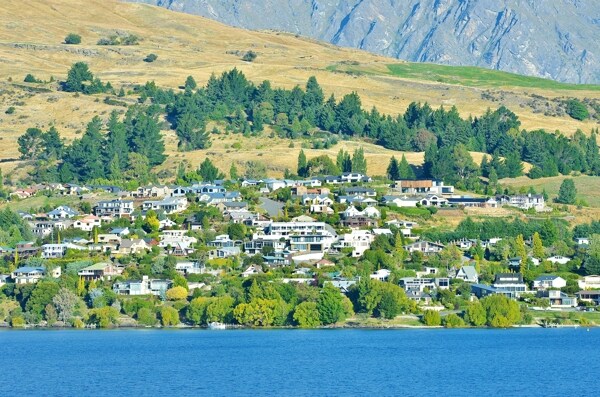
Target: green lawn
x,y
478,77
591,316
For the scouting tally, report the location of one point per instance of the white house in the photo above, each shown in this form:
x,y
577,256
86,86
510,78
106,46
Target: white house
x,y
58,250
170,205
468,274
557,259
87,223
358,240
381,275
544,282
590,282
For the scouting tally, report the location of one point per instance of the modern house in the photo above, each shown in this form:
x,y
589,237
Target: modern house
x,y
523,201
557,298
145,286
590,282
114,208
358,240
511,284
424,186
426,247
50,251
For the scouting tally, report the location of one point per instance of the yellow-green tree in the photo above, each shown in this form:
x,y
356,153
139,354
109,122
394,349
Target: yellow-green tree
x,y
520,249
177,293
307,315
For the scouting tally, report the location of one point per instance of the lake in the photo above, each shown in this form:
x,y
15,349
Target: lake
x,y
348,362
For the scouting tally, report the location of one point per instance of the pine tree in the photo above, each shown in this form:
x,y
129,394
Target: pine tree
x,y
359,163
393,173
405,171
233,172
302,164
567,192
116,142
208,172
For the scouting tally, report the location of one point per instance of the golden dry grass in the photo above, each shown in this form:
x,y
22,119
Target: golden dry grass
x,y
32,31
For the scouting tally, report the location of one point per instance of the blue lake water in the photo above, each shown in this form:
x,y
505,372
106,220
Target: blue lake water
x,y
516,362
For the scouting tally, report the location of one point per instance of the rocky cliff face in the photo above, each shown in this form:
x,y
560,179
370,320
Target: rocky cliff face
x,y
556,39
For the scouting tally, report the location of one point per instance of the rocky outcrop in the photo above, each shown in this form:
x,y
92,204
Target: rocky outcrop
x,y
555,39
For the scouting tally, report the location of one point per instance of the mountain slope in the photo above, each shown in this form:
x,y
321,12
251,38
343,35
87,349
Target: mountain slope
x,y
552,39
31,41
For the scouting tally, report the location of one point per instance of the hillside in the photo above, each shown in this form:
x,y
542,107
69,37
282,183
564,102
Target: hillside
x,y
554,39
31,41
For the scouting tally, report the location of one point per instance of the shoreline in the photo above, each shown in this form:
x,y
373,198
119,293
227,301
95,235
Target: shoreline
x,y
229,327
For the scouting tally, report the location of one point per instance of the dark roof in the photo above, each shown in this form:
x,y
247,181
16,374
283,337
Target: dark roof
x,y
467,200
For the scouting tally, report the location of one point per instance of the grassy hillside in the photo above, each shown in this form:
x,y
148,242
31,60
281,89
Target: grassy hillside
x,y
31,41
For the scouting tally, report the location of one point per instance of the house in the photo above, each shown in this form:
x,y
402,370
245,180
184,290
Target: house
x,y
311,242
120,231
433,200
427,271
381,275
318,203
423,186
222,241
303,218
137,246
45,228
426,247
4,278
28,274
99,271
190,267
523,201
473,202
87,223
252,270
590,282
114,208
419,296
145,286
274,184
557,298
358,241
546,282
582,242
62,212
511,284
50,251
172,237
342,284
419,283
358,190
324,263
224,252
467,274
358,222
112,239
23,193
401,201
260,245
589,296
165,223
169,205
151,191
557,259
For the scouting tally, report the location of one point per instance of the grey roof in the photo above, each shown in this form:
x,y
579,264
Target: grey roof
x,y
272,207
470,272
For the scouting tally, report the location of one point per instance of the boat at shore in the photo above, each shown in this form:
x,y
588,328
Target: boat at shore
x,y
217,325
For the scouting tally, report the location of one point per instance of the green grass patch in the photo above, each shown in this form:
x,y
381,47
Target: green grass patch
x,y
478,77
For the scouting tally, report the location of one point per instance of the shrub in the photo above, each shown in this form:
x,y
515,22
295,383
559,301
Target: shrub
x,y
169,316
432,318
577,110
453,321
31,79
73,38
10,110
250,56
146,316
17,322
150,58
